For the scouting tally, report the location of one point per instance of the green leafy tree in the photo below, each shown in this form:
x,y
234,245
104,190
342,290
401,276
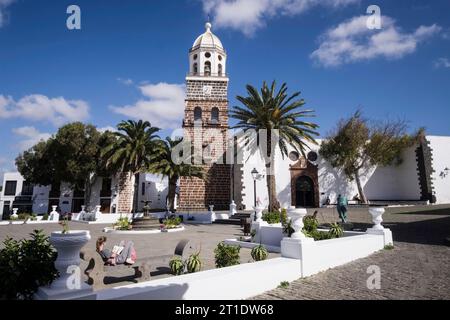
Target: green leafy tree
x,y
163,164
70,156
356,144
269,109
131,151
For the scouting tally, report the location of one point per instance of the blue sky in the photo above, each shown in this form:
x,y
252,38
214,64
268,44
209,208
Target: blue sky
x,y
130,58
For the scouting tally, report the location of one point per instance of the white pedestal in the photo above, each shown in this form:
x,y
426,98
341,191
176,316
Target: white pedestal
x,y
47,293
256,225
68,260
295,248
386,233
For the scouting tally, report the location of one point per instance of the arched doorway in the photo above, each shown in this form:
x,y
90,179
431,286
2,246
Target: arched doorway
x,y
304,189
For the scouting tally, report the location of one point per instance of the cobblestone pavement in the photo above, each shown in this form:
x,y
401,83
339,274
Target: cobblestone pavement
x,y
417,268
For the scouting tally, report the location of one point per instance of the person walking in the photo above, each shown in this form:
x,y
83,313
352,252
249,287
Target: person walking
x,y
342,204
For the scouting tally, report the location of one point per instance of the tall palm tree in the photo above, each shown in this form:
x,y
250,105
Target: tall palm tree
x,y
163,164
268,110
131,151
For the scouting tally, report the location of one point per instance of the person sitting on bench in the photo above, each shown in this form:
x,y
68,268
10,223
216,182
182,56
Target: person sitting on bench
x,y
124,253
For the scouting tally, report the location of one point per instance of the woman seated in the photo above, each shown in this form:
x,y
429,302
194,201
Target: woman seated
x,y
124,253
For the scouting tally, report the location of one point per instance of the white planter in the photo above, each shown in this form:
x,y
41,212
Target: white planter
x,y
297,216
258,213
68,247
233,208
18,222
14,215
377,217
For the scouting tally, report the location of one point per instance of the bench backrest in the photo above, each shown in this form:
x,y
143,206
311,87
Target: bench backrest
x,y
179,249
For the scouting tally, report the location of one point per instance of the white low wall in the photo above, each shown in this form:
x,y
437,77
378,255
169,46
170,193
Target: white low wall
x,y
106,218
236,282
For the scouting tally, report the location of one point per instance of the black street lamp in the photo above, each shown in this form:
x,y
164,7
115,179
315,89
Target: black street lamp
x,y
255,176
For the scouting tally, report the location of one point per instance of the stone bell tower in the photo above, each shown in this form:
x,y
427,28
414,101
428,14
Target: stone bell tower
x,y
205,125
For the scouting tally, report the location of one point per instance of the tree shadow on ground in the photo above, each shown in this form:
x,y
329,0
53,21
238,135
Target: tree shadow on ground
x,y
431,232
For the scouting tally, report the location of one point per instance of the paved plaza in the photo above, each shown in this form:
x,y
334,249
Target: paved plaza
x,y
202,237
417,268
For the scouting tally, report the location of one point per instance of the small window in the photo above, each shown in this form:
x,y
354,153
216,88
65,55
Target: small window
x,y
143,188
195,57
220,69
207,68
215,115
195,67
197,114
312,156
294,156
10,188
208,55
27,189
220,58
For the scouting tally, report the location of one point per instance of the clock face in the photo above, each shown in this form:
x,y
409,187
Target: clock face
x,y
207,90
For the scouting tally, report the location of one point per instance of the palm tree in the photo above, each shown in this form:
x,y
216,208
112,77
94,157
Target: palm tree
x,y
131,151
268,110
163,164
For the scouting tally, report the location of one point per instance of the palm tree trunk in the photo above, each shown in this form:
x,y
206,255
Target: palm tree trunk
x,y
171,193
274,205
88,192
126,192
362,195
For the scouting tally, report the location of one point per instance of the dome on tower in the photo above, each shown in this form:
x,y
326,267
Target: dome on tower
x,y
208,39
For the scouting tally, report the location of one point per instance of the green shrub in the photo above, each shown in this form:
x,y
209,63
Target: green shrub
x,y
122,224
272,217
284,216
310,223
226,255
284,285
287,228
259,253
172,223
45,217
26,265
336,230
389,247
24,216
176,266
193,263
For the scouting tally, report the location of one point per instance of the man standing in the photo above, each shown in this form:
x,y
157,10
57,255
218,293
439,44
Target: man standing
x,y
342,204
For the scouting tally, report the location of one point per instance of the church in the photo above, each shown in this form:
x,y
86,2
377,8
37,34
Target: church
x,y
422,178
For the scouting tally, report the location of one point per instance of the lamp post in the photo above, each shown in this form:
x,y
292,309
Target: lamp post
x,y
255,175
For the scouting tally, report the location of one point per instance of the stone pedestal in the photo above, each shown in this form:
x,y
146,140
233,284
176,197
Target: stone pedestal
x,y
295,248
233,210
211,213
54,215
69,284
97,213
386,233
15,215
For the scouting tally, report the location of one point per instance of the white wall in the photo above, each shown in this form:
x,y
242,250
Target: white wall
x,y
382,183
441,160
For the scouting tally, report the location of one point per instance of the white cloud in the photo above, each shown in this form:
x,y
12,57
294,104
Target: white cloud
x,y
162,104
442,63
3,5
352,41
107,128
248,16
38,107
6,165
31,136
127,82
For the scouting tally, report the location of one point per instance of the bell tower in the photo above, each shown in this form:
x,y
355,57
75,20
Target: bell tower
x,y
205,125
